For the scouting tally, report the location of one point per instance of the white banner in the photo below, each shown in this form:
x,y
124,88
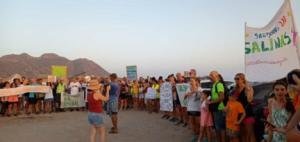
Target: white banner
x,y
166,97
23,90
182,90
271,51
72,101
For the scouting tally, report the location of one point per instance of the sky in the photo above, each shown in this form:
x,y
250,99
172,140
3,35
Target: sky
x,y
159,36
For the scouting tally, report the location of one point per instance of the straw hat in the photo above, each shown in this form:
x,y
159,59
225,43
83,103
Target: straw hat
x,y
94,85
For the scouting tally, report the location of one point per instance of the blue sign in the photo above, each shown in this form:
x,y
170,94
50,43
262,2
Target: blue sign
x,y
131,72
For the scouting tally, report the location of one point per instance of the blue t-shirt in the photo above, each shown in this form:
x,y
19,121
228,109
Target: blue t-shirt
x,y
114,91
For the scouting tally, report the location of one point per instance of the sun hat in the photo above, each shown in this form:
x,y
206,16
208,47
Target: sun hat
x,y
94,85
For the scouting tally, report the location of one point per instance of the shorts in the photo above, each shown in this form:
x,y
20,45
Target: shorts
x,y
219,120
57,97
40,96
141,96
232,133
249,120
32,100
129,97
49,100
112,107
95,119
194,113
135,96
123,96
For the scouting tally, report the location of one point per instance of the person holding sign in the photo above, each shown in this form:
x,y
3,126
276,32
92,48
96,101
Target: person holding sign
x,y
95,110
193,96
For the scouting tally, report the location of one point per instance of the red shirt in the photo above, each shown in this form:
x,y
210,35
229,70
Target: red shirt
x,y
94,105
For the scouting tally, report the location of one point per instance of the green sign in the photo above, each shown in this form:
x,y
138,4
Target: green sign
x,y
59,71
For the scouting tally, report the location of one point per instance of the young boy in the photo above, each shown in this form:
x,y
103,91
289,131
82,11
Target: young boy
x,y
235,114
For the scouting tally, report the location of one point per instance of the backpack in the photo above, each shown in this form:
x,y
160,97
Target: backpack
x,y
226,92
214,107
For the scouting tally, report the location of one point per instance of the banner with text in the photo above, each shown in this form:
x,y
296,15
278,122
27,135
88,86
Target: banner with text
x,y
182,90
166,97
131,72
271,52
23,90
72,101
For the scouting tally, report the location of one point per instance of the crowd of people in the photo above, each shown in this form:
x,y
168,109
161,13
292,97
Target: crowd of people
x,y
218,114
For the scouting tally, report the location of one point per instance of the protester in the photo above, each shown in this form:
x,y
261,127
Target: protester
x,y
26,82
141,105
292,130
244,92
13,102
32,98
172,81
1,103
39,106
281,110
112,104
206,122
60,89
235,114
95,111
181,111
123,95
49,98
17,83
74,87
4,100
150,96
135,93
156,87
217,105
193,96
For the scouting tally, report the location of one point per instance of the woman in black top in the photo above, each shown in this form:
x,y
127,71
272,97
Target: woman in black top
x,y
245,96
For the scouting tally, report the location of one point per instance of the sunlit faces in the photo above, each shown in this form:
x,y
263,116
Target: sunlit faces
x,y
280,90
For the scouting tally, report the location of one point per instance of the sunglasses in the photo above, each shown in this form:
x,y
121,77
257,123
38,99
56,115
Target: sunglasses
x,y
237,78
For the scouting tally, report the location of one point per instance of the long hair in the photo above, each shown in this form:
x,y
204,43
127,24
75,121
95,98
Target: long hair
x,y
243,78
288,102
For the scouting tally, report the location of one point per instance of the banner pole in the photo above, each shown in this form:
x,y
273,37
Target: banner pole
x,y
244,48
295,32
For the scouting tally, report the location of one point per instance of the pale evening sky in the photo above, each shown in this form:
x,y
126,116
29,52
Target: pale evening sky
x,y
159,36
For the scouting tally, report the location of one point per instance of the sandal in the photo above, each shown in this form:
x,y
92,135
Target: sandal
x,y
113,131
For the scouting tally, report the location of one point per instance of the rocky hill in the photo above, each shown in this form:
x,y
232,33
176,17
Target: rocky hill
x,y
29,66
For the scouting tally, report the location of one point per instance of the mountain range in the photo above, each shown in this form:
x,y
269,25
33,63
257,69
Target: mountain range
x,y
29,66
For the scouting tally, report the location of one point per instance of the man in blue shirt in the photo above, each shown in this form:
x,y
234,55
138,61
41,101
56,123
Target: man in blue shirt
x,y
112,105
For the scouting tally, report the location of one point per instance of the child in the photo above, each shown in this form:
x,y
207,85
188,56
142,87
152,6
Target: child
x,y
49,99
233,110
206,121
